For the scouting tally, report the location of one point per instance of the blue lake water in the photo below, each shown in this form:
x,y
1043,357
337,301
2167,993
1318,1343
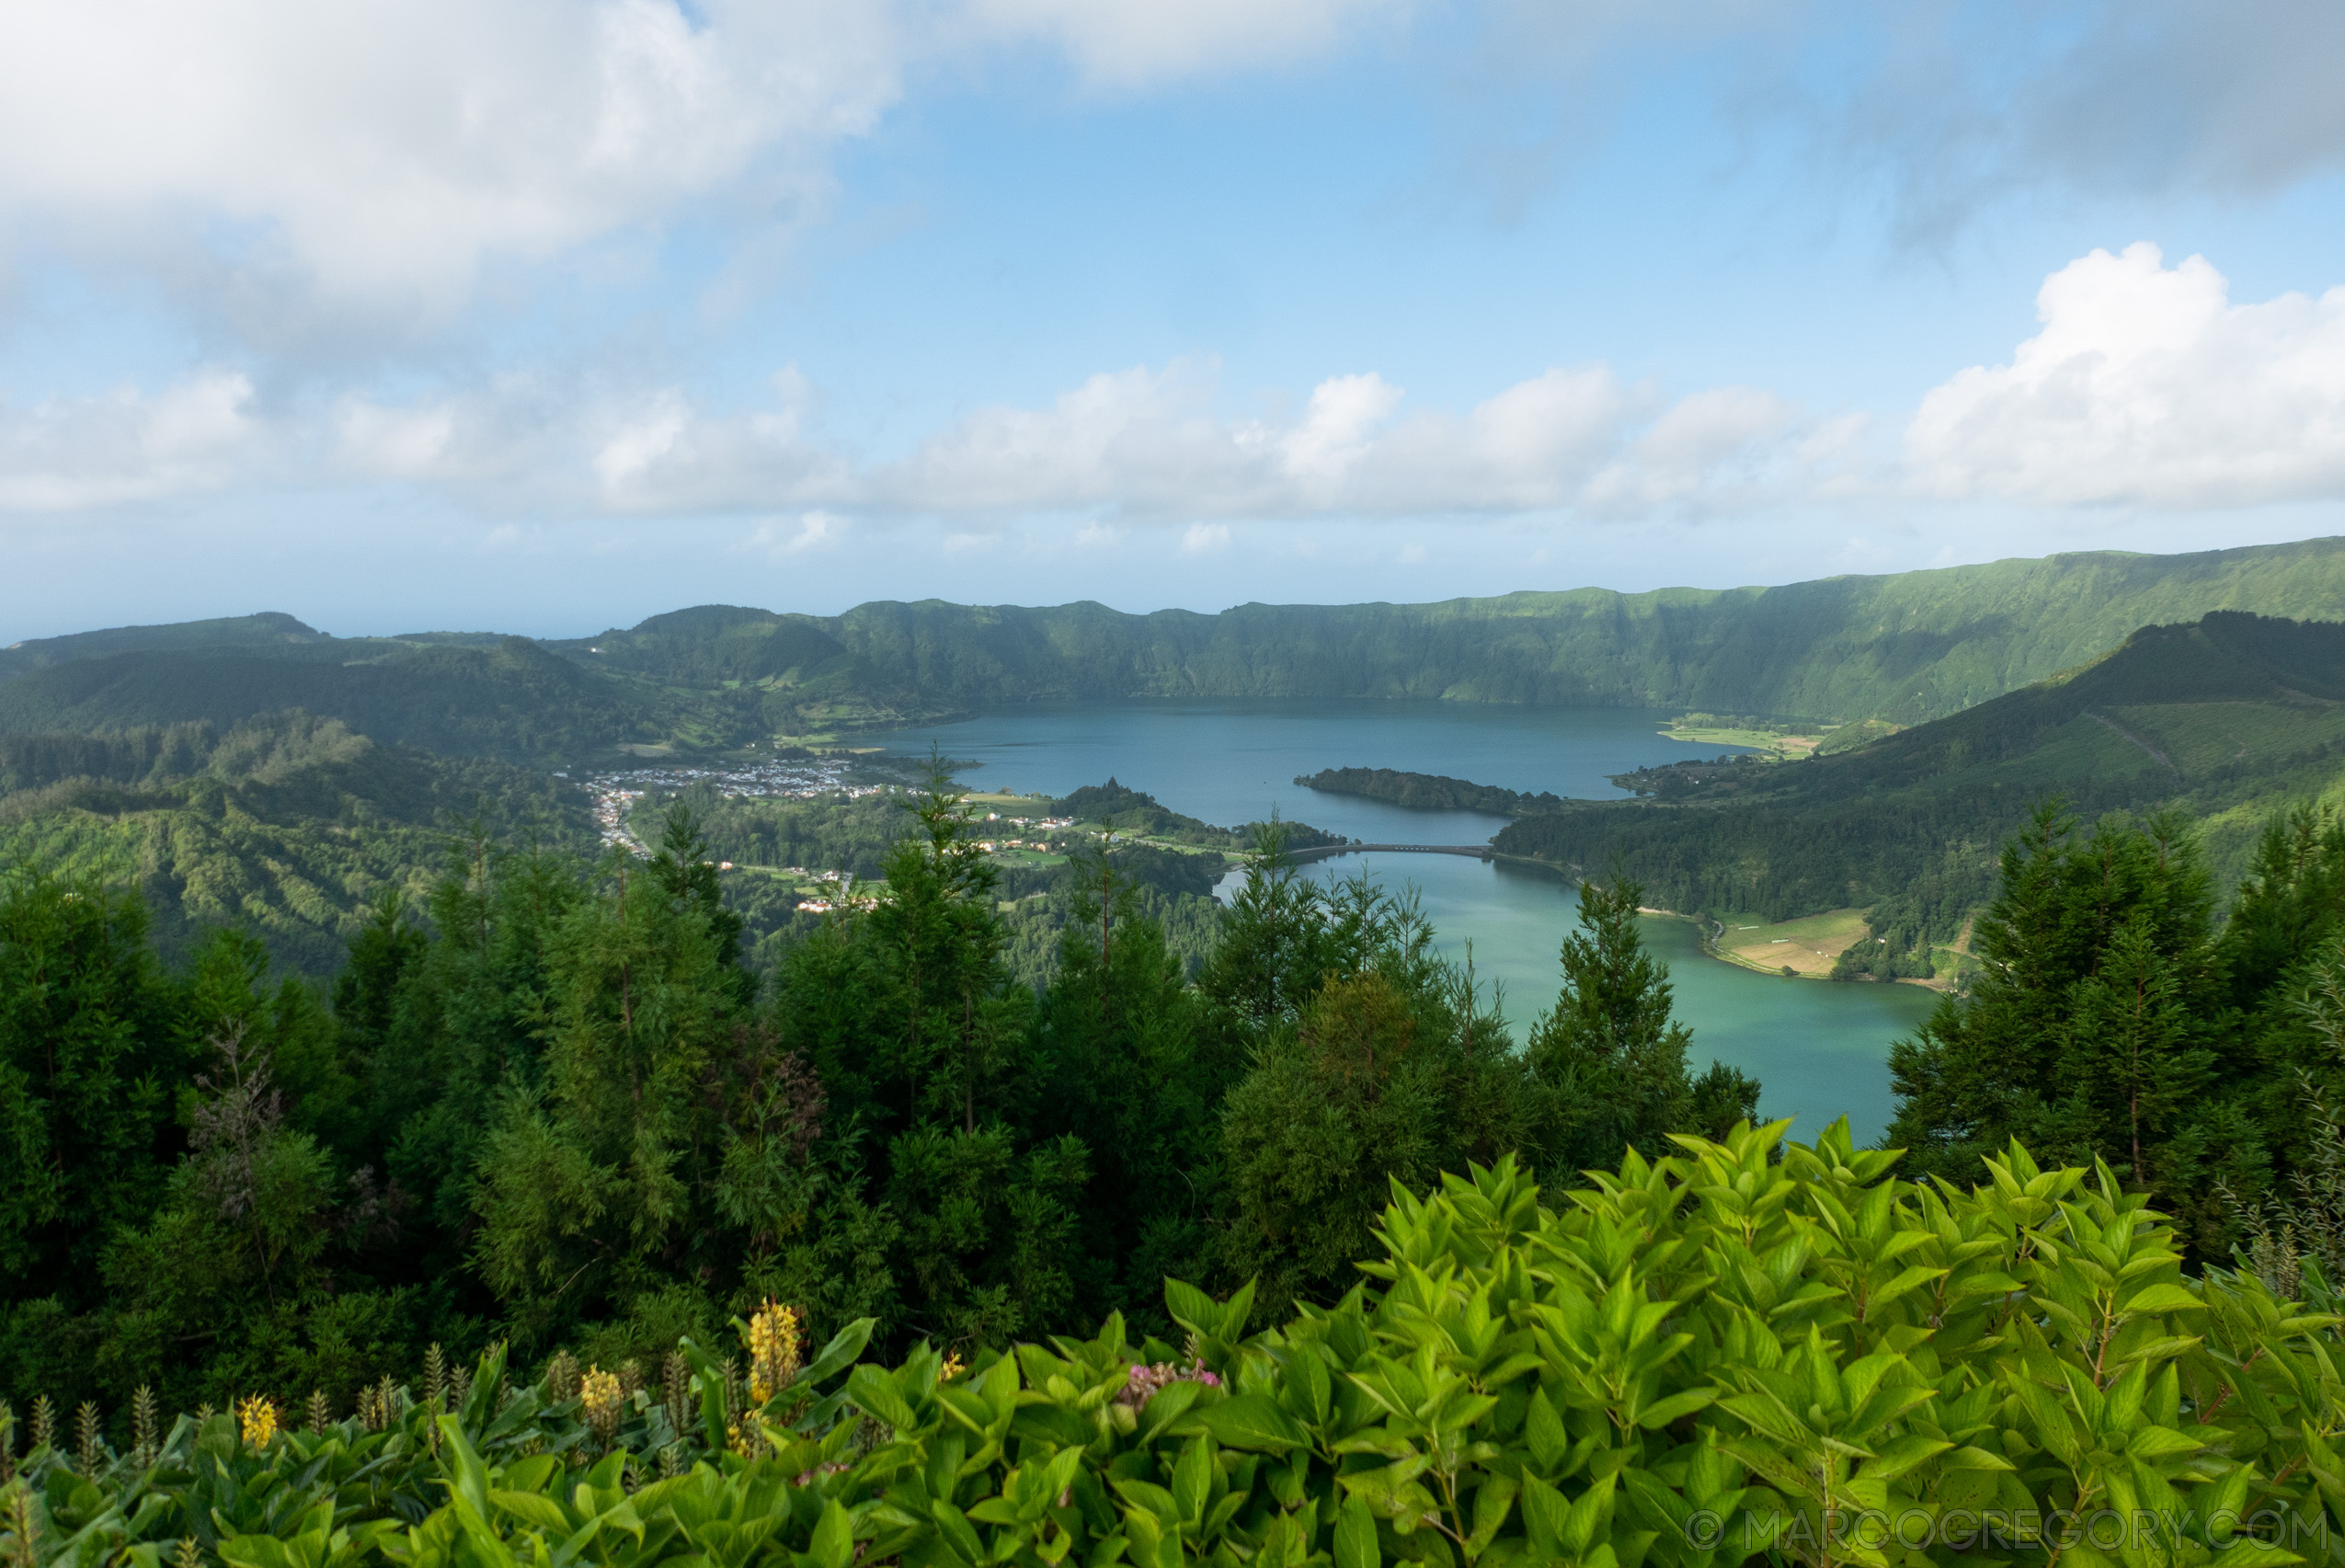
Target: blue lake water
x,y
1820,1049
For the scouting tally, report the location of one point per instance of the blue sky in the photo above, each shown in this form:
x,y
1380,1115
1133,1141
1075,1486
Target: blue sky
x,y
548,314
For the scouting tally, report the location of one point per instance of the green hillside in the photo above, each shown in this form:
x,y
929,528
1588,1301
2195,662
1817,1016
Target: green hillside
x,y
287,825
1867,651
800,676
513,700
2225,718
1902,649
270,630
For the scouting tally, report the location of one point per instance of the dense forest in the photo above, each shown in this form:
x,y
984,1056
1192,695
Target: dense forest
x,y
551,1104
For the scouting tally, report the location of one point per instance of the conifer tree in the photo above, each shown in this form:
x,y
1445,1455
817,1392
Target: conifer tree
x,y
2092,1029
1273,949
2128,1057
1609,1048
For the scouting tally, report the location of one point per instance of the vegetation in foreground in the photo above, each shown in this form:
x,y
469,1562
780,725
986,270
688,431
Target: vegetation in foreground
x,y
1735,1351
558,1113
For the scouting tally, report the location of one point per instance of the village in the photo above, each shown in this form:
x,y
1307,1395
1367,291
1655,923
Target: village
x,y
803,778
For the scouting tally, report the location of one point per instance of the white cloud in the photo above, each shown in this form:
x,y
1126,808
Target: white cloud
x,y
1704,441
389,146
1205,538
1140,443
1146,443
2147,385
1337,429
816,530
661,455
382,151
395,443
71,455
1129,42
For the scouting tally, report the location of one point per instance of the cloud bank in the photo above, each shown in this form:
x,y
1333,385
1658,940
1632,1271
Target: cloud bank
x,y
2146,386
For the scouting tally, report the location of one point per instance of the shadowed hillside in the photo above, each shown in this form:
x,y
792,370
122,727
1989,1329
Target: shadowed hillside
x,y
2225,718
512,701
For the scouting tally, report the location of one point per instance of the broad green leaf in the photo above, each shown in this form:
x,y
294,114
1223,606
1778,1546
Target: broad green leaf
x,y
1354,1536
1254,1422
834,1537
2164,1297
873,1392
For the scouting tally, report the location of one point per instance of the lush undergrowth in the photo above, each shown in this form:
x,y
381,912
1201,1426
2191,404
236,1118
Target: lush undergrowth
x,y
1741,1351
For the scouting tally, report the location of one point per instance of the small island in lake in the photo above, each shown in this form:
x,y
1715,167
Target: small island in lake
x,y
1429,792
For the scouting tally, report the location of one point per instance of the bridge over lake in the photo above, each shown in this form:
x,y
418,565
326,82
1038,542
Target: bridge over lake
x,y
1321,851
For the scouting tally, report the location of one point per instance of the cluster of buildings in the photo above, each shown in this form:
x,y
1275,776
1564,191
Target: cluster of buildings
x,y
843,897
615,793
1040,846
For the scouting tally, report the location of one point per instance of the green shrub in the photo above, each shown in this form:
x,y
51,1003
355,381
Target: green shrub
x,y
1744,1350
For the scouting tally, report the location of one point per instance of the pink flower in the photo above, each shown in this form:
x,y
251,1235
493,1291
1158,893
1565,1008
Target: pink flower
x,y
1146,1383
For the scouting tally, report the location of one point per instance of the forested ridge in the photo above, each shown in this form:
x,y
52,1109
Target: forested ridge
x,y
1903,647
2224,720
1899,649
509,700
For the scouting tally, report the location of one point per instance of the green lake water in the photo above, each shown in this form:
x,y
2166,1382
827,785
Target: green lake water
x,y
1819,1048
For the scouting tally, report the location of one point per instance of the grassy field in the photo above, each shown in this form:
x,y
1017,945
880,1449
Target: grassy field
x,y
1772,742
1807,946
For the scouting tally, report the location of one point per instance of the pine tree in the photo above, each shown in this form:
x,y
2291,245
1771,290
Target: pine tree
x,y
2129,1056
2087,1023
1609,1048
1272,951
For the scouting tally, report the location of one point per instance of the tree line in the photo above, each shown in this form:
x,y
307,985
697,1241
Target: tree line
x,y
552,1104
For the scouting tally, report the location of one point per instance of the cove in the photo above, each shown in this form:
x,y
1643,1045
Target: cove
x,y
1819,1050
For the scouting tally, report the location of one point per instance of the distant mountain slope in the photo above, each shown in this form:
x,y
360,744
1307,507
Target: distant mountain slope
x,y
2228,718
1895,649
513,701
287,825
804,679
1905,647
269,629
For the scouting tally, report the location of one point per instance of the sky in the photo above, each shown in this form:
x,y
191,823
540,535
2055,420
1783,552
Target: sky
x,y
547,315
